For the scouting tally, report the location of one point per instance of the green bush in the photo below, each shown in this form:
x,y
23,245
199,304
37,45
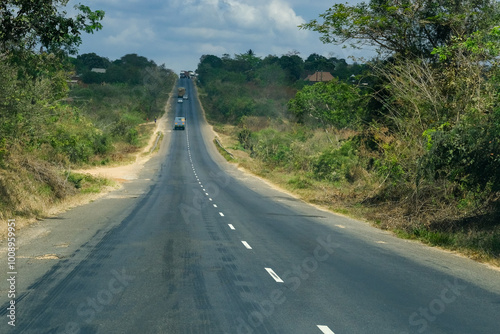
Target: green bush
x,y
273,147
133,137
87,183
299,182
245,138
335,164
102,144
468,153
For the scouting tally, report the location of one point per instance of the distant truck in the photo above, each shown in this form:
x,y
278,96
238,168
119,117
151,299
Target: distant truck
x,y
179,123
180,92
187,74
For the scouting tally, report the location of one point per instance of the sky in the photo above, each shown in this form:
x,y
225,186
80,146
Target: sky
x,y
177,33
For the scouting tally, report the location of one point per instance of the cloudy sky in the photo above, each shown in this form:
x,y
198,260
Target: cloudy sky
x,y
178,32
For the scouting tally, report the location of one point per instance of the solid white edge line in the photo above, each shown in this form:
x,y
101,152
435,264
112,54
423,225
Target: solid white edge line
x,y
274,275
246,244
231,226
325,329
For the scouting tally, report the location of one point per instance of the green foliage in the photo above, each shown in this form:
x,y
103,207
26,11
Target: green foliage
x,y
87,183
86,62
293,66
469,153
316,62
435,238
26,24
299,182
246,139
334,103
247,85
78,141
273,147
133,137
406,28
130,69
32,115
334,164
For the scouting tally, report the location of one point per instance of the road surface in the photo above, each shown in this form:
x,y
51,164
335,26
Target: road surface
x,y
196,246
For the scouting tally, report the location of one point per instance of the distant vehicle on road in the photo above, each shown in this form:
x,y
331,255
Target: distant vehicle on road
x,y
180,100
185,97
180,92
179,123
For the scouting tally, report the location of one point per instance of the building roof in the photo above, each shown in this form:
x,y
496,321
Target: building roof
x,y
320,76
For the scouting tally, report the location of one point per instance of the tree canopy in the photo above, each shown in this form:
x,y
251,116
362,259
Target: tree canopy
x,y
404,27
26,25
334,103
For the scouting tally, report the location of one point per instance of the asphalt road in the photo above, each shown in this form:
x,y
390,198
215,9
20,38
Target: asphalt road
x,y
197,246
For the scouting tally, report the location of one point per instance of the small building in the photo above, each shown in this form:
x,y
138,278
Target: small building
x,y
320,77
98,70
74,80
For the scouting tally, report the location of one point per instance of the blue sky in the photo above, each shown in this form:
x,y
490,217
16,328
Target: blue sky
x,y
178,32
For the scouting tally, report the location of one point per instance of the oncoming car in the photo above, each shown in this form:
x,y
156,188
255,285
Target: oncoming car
x,y
179,123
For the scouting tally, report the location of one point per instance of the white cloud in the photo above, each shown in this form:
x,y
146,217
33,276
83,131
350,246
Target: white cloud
x,y
207,48
135,33
242,15
284,16
200,34
177,32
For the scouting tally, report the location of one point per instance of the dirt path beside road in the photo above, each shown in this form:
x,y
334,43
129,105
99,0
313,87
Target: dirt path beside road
x,y
131,171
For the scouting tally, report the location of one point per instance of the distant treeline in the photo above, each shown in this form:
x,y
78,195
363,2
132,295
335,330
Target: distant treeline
x,y
247,85
128,69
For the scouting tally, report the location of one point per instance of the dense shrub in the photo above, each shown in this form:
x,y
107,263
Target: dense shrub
x,y
469,153
335,164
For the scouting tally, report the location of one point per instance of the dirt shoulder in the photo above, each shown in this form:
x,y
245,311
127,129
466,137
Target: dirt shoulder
x,y
131,171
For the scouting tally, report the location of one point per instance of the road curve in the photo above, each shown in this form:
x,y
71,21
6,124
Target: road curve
x,y
197,246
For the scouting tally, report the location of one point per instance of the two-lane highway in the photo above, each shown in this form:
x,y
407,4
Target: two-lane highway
x,y
208,249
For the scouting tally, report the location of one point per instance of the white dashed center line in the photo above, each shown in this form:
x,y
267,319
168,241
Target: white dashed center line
x,y
325,329
246,244
274,275
231,226
221,214
215,205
